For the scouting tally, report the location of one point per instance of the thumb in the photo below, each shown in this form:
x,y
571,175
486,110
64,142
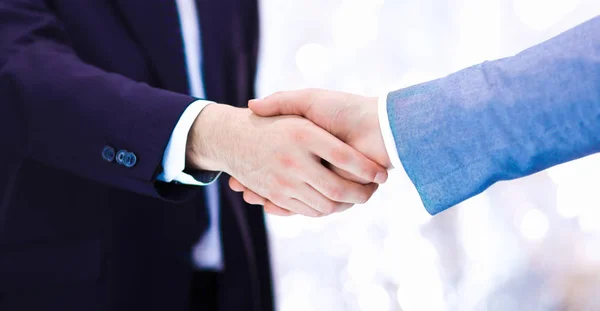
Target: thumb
x,y
281,103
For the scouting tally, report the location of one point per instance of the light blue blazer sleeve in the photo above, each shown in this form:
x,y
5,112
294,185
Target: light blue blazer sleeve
x,y
500,120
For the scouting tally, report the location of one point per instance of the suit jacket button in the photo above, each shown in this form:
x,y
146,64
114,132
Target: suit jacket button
x,y
121,156
130,160
108,154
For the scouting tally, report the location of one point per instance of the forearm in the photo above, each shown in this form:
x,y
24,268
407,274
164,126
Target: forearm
x,y
501,120
68,111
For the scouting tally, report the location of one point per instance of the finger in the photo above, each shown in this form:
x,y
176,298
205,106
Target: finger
x,y
252,198
282,103
235,185
346,175
336,188
296,206
313,198
271,208
342,156
344,209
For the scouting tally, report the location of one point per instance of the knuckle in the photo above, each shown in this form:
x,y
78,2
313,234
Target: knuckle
x,y
287,161
299,134
282,182
276,95
310,92
340,155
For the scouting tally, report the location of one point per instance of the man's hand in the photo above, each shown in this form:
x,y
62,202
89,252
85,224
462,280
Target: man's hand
x,y
351,118
279,158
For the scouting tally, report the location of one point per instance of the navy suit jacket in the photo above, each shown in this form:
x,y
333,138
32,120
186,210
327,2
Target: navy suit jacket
x,y
81,233
500,120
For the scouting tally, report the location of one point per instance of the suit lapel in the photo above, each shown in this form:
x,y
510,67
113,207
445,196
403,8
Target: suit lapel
x,y
155,26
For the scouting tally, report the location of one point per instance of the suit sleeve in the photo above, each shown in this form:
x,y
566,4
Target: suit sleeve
x,y
68,111
500,120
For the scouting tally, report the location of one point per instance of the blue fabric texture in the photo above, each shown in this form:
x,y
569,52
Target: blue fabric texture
x,y
500,120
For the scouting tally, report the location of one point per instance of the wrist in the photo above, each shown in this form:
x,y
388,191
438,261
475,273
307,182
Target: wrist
x,y
206,139
376,134
384,133
365,135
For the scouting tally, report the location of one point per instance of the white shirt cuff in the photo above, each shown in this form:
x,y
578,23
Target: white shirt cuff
x,y
386,132
174,157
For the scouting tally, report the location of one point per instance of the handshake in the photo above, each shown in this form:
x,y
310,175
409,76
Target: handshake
x,y
316,152
310,152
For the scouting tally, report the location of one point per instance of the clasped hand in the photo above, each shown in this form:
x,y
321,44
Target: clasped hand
x,y
275,153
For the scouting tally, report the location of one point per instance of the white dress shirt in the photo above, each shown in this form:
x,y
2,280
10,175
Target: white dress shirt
x,y
207,253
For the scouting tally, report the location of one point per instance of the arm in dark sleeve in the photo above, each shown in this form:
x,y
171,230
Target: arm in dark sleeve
x,y
500,120
68,111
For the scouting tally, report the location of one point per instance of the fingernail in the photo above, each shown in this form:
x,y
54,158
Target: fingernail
x,y
254,100
380,178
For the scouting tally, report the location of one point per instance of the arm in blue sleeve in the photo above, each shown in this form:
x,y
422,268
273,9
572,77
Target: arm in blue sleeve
x,y
500,120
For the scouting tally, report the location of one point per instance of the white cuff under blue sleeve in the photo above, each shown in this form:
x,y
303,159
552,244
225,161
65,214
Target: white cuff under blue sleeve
x,y
386,132
174,157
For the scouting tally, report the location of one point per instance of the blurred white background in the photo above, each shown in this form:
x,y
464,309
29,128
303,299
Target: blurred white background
x,y
529,244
